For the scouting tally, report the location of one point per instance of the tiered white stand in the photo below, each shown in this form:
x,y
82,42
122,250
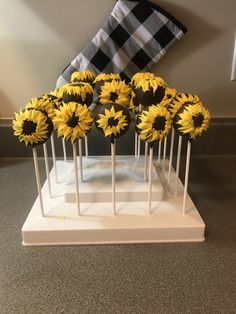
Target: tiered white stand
x,y
97,223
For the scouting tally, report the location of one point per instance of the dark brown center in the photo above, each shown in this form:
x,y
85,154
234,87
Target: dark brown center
x,y
198,120
73,121
29,127
159,123
114,96
112,122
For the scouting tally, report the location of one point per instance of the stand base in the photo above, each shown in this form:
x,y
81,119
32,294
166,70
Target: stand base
x,y
97,224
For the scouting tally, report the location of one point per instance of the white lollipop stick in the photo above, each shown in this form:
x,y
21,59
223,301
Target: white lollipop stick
x,y
159,151
36,166
171,153
145,161
178,164
54,157
186,176
164,155
64,149
86,146
113,162
76,178
139,141
150,180
135,145
81,160
139,145
45,151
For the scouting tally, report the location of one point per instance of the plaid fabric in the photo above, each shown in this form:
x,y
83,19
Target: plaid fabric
x,y
136,35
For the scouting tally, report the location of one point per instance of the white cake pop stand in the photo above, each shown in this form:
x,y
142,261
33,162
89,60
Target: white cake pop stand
x,y
97,223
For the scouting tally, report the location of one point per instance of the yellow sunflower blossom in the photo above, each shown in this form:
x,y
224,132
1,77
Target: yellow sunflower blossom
x,y
50,97
107,77
181,99
72,121
83,76
115,92
55,96
153,124
31,126
170,94
58,92
112,122
42,103
193,120
78,89
150,84
141,76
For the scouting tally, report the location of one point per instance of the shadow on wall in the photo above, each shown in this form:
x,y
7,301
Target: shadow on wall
x,y
200,33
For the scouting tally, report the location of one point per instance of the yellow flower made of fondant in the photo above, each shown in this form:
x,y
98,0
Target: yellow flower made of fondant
x,y
193,120
83,76
44,104
106,77
181,99
115,92
141,76
170,94
31,126
112,122
82,89
153,124
72,121
150,84
58,92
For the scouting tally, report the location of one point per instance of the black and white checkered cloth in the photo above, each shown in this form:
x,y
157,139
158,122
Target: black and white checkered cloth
x,y
136,35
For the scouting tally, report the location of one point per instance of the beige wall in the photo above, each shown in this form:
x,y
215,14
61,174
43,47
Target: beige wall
x,y
39,38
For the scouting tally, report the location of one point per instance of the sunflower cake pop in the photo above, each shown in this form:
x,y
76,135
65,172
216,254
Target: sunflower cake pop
x,y
81,93
56,102
136,78
170,94
83,76
104,77
148,92
117,92
113,120
153,124
32,126
57,92
72,121
192,120
180,100
48,106
44,104
53,99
